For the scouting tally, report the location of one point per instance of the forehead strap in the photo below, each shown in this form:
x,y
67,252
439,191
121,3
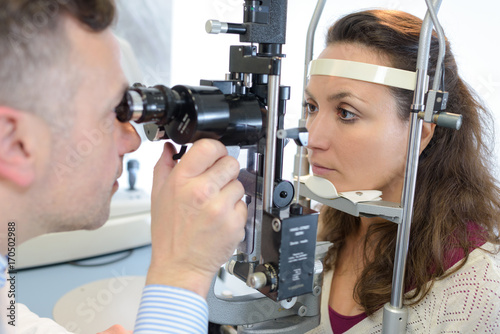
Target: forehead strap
x,y
383,75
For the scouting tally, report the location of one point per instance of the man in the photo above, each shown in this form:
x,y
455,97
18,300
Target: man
x,y
61,151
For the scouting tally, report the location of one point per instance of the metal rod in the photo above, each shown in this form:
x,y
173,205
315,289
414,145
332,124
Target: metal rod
x,y
271,139
442,44
423,60
301,161
415,134
311,31
300,157
407,200
395,316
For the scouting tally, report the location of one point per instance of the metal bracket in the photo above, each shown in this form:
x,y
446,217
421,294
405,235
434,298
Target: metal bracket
x,y
387,210
256,313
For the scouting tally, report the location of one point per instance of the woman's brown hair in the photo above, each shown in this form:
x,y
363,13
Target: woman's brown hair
x,y
455,186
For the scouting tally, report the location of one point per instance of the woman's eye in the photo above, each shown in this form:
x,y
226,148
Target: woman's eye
x,y
346,115
311,108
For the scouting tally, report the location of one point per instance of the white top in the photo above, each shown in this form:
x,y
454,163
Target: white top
x,y
468,301
163,309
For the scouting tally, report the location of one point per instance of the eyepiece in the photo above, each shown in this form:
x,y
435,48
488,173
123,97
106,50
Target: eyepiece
x,y
141,104
130,108
185,114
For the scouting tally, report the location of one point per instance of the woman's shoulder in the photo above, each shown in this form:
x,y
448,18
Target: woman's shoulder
x,y
467,299
480,273
486,260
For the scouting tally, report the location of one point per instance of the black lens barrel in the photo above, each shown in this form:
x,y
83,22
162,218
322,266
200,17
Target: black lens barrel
x,y
188,113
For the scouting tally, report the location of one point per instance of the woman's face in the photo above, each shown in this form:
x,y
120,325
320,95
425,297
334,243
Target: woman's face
x,y
356,139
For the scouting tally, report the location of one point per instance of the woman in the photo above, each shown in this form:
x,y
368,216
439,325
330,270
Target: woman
x,y
358,134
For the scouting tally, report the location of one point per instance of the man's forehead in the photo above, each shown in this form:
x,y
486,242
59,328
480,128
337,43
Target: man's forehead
x,y
98,49
96,55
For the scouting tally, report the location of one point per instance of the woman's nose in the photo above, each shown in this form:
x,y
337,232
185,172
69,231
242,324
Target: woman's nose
x,y
320,130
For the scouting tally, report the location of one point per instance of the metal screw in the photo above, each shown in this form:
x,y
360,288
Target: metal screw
x,y
276,225
257,280
230,266
318,267
302,311
289,303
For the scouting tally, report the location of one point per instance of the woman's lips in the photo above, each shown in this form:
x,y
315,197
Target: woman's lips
x,y
320,170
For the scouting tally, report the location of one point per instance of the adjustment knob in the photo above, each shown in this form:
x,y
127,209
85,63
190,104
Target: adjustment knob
x,y
215,27
218,27
257,280
154,132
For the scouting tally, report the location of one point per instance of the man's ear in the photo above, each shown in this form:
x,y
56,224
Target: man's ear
x,y
16,162
427,133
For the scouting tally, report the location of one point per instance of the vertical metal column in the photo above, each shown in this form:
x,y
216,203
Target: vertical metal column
x,y
301,163
395,314
272,125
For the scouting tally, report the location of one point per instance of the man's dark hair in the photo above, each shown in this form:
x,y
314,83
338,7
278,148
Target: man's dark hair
x,y
35,68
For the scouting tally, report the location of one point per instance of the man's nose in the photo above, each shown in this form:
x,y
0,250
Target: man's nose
x,y
130,139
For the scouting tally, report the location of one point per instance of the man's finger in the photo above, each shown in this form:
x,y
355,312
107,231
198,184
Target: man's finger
x,y
201,156
232,192
165,164
221,173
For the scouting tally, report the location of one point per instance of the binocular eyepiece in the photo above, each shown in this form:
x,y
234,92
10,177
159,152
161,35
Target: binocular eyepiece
x,y
185,114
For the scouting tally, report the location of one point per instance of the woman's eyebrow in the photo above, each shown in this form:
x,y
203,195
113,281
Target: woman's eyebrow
x,y
336,96
308,93
342,95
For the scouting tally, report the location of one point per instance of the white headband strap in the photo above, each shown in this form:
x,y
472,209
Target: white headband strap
x,y
366,72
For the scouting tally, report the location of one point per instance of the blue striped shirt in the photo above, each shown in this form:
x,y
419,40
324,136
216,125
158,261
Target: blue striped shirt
x,y
3,268
166,309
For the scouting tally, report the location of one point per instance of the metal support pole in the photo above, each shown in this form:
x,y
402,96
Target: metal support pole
x,y
395,315
311,31
407,200
301,164
272,125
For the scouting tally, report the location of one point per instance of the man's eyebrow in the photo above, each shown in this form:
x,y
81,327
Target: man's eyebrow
x,y
116,100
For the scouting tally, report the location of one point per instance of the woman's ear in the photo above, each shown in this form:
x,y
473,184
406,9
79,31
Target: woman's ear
x,y
16,162
427,133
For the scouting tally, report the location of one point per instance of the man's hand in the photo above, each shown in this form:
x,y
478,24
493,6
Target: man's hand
x,y
116,329
197,215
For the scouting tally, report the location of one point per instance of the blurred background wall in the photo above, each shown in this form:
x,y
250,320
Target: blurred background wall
x,y
171,46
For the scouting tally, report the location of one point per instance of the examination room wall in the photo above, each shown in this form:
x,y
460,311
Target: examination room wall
x,y
472,28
